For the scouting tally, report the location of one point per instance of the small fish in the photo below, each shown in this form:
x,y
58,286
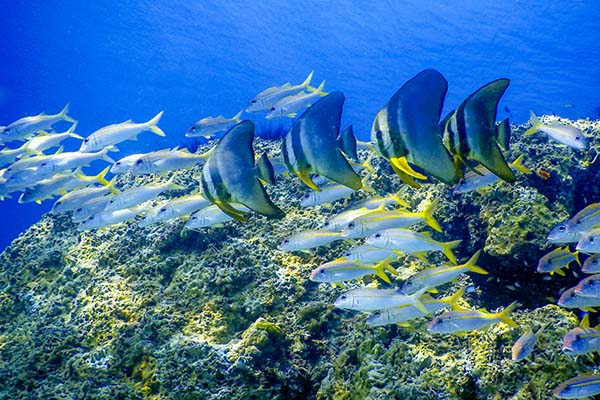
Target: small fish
x,y
371,299
436,276
482,177
46,141
591,265
525,344
565,134
9,156
343,270
69,160
589,287
210,126
409,242
107,218
125,164
160,162
328,194
369,255
570,299
26,163
27,126
581,340
137,195
179,207
469,320
578,387
111,135
231,175
73,200
309,239
93,206
339,221
269,97
379,220
375,202
211,216
407,312
589,242
556,260
571,230
291,105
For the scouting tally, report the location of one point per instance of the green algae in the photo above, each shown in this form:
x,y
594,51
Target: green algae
x,y
129,312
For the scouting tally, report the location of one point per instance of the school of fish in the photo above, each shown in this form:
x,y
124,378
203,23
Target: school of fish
x,y
463,149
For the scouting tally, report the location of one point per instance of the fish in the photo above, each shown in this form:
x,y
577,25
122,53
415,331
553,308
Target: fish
x,y
174,208
231,175
339,221
107,218
588,287
290,105
41,143
377,201
570,299
591,265
163,161
211,216
61,184
27,126
137,195
436,276
470,132
312,145
525,344
578,387
269,97
9,156
481,177
371,299
208,127
326,195
410,242
309,239
125,164
370,255
556,260
69,160
570,231
407,312
378,220
342,270
581,340
26,163
90,207
406,130
468,320
111,135
589,242
565,134
74,199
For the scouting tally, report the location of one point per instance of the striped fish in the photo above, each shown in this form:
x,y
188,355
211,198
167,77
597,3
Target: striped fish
x,y
231,176
470,132
312,145
406,130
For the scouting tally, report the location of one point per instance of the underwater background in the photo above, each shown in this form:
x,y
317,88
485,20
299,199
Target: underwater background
x,y
119,60
164,312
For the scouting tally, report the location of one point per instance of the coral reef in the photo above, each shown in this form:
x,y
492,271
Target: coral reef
x,y
157,313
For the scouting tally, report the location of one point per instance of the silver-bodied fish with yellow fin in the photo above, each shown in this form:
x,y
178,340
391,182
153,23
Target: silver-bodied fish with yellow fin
x,y
116,133
309,239
570,299
312,145
582,339
231,175
371,299
469,320
179,207
556,260
73,200
526,343
27,126
589,287
342,270
289,106
436,276
481,177
163,161
107,218
579,387
368,254
565,134
211,216
409,242
140,194
591,265
46,141
70,160
470,131
403,313
210,126
571,230
589,242
406,130
266,99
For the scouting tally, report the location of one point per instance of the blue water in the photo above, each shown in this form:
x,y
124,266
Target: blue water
x,y
130,59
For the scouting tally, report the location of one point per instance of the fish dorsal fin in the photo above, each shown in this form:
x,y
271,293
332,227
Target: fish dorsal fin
x,y
238,140
485,100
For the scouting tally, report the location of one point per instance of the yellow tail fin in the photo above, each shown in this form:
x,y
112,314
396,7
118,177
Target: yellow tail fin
x,y
453,299
518,165
535,124
447,249
428,215
471,264
504,315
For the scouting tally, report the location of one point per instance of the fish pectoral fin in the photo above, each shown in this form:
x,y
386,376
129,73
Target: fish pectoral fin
x,y
231,211
307,180
402,164
406,178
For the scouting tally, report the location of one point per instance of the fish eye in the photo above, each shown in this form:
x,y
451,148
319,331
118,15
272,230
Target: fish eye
x,y
440,320
377,313
577,138
378,235
408,283
111,201
272,108
572,295
286,241
578,221
595,261
591,239
591,283
351,225
322,271
79,210
253,101
118,163
346,254
563,228
162,210
138,162
6,130
43,164
343,297
86,140
58,203
91,218
193,128
577,337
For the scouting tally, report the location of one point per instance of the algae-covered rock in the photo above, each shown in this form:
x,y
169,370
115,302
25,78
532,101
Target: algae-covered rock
x,y
132,313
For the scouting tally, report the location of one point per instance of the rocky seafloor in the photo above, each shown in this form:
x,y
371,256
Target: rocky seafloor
x,y
135,313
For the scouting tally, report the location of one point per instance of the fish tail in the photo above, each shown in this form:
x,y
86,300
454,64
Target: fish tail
x,y
535,124
473,267
428,215
238,117
396,197
365,185
152,124
72,133
306,82
504,315
455,298
447,250
320,91
416,301
518,165
101,177
111,185
265,169
64,116
380,272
